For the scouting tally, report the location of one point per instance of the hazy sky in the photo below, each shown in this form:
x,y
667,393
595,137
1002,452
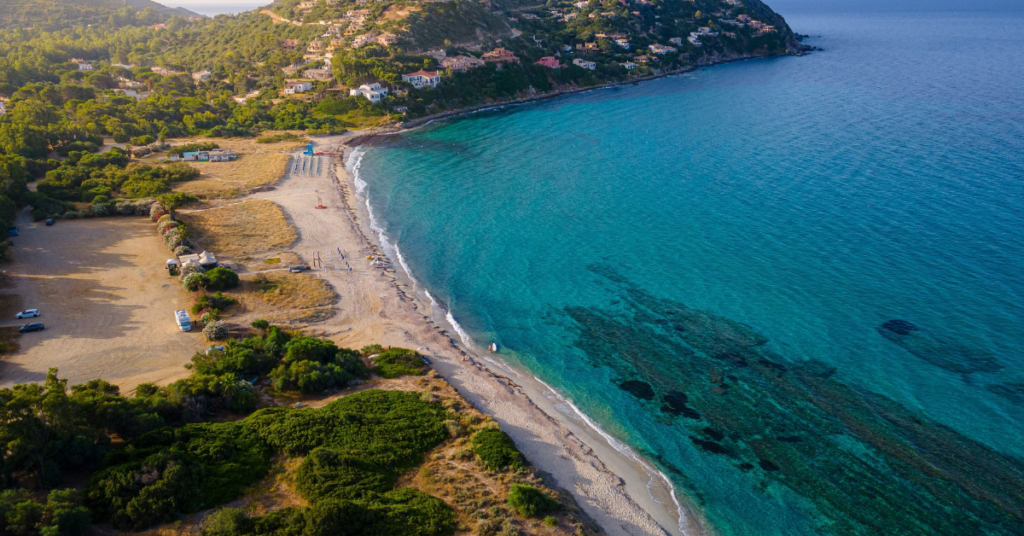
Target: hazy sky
x,y
215,7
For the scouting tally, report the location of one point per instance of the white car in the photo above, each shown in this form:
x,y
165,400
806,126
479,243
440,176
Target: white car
x,y
28,313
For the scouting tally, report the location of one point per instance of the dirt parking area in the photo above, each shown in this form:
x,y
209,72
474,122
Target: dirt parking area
x,y
106,301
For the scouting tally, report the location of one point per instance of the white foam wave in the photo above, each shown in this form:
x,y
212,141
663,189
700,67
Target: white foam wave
x,y
652,472
353,165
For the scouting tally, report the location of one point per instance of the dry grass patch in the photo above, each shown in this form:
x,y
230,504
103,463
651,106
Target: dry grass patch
x,y
396,12
251,227
258,164
291,291
477,494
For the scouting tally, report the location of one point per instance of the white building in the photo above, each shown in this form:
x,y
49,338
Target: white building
x,y
585,64
373,92
82,66
422,78
202,76
661,49
629,65
292,88
624,43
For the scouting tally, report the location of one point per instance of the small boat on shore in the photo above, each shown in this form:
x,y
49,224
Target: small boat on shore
x,y
493,347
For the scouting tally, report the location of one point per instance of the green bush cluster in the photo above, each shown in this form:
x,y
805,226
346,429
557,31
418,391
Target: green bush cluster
x,y
179,150
399,362
311,365
219,278
355,447
212,302
62,514
529,501
496,450
284,136
170,472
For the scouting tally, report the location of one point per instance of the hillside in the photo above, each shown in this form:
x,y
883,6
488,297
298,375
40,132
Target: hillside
x,y
55,14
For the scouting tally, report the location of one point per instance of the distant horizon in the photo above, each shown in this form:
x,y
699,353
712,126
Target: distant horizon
x,y
217,7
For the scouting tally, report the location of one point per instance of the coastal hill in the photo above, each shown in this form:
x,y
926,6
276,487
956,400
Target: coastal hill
x,y
68,85
55,14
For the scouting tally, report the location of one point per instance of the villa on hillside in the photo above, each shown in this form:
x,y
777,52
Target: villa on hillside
x,y
500,55
3,106
387,39
461,64
202,76
661,49
320,75
422,78
164,72
549,61
83,66
363,40
584,63
373,92
290,44
316,47
293,88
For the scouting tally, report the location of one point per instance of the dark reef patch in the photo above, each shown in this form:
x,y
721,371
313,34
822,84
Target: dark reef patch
x,y
711,446
857,456
899,327
713,434
641,390
1014,392
941,352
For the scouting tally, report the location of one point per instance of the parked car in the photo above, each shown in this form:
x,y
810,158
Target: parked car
x,y
50,222
12,231
212,348
35,326
297,268
28,313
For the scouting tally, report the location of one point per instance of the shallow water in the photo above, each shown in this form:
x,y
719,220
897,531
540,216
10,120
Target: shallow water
x,y
794,284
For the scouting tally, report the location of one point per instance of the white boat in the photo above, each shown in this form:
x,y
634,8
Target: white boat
x,y
493,347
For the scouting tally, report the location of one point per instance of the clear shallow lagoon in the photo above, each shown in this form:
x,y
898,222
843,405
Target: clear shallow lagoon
x,y
709,266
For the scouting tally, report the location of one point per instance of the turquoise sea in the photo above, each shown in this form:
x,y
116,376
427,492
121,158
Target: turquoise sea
x,y
795,285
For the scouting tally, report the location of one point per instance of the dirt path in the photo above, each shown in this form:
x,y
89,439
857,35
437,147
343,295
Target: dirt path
x,y
106,300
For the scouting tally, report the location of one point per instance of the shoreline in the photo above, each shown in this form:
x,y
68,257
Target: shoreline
x,y
648,490
453,114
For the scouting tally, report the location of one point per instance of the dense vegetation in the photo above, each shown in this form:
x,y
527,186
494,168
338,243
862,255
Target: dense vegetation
x,y
496,450
399,362
529,501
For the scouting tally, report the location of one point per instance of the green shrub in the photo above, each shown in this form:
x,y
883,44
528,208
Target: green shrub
x,y
213,302
62,515
215,331
100,199
327,474
496,450
194,282
145,139
372,349
225,522
38,215
399,362
529,501
221,278
551,521
168,473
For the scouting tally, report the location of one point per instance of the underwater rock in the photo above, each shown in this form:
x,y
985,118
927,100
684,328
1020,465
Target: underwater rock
x,y
858,457
642,390
713,434
1014,392
675,403
946,354
900,327
711,446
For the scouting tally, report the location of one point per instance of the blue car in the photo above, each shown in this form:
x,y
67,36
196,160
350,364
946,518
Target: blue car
x,y
12,231
50,222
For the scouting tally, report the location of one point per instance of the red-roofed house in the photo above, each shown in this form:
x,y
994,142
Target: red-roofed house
x,y
422,78
549,61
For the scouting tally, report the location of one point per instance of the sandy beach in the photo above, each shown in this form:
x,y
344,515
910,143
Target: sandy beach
x,y
620,491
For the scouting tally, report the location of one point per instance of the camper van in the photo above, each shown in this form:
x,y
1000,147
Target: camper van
x,y
181,318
